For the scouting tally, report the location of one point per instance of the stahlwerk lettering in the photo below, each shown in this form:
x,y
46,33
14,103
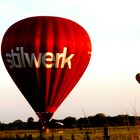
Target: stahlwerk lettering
x,y
20,59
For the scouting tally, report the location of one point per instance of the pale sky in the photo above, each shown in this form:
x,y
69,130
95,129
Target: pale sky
x,y
108,86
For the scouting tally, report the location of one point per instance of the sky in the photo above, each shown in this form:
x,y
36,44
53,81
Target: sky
x,y
108,86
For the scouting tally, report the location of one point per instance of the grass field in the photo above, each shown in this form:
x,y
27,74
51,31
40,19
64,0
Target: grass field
x,y
115,133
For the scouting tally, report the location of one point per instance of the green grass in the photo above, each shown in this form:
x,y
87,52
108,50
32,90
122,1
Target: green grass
x,y
115,133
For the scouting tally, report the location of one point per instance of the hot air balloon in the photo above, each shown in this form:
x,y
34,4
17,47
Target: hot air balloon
x,y
46,56
138,77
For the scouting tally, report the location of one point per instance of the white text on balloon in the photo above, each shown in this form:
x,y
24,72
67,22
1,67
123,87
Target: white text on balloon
x,y
20,59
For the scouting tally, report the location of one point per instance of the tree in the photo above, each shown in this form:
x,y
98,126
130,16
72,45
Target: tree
x,y
30,120
82,122
18,124
122,120
30,123
98,120
69,122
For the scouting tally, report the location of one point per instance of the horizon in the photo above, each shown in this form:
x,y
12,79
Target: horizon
x,y
60,119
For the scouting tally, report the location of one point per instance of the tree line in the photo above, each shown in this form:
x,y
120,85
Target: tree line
x,y
99,120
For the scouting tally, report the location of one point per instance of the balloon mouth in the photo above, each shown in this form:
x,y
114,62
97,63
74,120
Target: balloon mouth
x,y
44,117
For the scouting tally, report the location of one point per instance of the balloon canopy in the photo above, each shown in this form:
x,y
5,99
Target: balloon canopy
x,y
138,77
46,56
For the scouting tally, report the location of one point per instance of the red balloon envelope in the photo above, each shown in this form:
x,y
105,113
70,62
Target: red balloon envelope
x,y
138,77
46,56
